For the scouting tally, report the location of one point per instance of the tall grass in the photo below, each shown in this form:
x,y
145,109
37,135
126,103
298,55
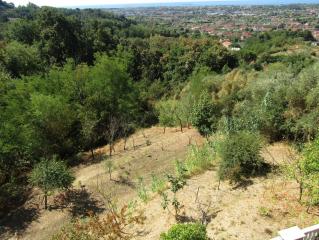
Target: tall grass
x,y
199,159
142,192
158,184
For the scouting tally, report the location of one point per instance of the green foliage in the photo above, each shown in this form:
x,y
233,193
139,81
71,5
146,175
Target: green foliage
x,y
264,211
176,184
65,73
53,118
175,112
23,31
158,184
240,156
142,191
180,169
198,159
20,59
204,115
165,111
310,169
109,167
190,231
50,175
218,57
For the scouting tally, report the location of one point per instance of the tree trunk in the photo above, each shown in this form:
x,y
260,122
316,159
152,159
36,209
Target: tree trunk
x,y
300,191
164,130
92,154
45,201
133,143
125,140
110,150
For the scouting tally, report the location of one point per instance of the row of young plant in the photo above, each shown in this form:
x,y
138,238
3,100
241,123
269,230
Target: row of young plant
x,y
236,156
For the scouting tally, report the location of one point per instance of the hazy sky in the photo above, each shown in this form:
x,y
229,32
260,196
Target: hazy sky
x,y
59,3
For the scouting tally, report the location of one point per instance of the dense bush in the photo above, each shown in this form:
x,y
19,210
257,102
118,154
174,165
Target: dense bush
x,y
193,231
240,156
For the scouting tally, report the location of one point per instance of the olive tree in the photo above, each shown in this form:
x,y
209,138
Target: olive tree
x,y
50,175
166,115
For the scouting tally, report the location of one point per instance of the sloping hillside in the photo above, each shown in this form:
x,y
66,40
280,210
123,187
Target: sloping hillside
x,y
255,210
154,152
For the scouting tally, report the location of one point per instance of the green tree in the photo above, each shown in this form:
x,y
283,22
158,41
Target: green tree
x,y
88,130
166,113
53,120
21,59
205,114
17,141
50,175
23,31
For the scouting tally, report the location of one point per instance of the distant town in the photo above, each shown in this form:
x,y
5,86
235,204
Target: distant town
x,y
231,24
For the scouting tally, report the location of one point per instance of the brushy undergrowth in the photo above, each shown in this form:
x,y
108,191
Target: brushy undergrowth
x,y
199,159
114,225
142,191
158,184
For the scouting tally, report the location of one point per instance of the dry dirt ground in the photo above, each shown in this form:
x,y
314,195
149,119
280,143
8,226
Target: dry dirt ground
x,y
255,210
148,152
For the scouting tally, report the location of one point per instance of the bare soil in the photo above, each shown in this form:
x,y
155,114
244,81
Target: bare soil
x,y
255,210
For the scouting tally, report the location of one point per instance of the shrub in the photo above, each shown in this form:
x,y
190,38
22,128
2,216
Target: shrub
x,y
240,156
176,184
109,166
309,166
142,190
185,232
264,211
198,159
